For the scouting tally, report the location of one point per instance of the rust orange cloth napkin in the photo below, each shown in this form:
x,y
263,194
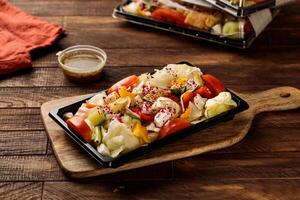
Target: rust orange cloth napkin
x,y
20,33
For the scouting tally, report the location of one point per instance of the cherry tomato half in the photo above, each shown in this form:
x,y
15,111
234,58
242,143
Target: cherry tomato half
x,y
204,92
80,127
169,15
213,84
173,126
127,82
147,117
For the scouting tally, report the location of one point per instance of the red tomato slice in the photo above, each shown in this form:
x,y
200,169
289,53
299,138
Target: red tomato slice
x,y
169,15
213,84
144,117
173,126
186,98
80,127
204,92
127,82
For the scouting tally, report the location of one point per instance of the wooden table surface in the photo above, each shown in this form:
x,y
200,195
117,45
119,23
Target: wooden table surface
x,y
265,165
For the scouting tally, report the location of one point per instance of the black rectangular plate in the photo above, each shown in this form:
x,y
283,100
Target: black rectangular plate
x,y
57,115
187,31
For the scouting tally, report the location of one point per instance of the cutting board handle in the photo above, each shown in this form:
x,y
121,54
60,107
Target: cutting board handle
x,y
276,99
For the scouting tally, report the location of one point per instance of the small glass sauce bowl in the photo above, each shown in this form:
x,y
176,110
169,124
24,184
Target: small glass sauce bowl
x,y
82,62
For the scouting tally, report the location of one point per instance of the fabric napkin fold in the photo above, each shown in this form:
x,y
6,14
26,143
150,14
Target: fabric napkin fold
x,y
20,34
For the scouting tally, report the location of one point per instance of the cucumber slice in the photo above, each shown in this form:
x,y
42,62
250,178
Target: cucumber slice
x,y
96,118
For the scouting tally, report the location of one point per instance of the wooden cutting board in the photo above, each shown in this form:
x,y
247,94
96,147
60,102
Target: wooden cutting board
x,y
78,164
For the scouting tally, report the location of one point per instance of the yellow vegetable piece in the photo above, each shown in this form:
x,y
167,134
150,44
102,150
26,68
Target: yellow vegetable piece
x,y
186,114
124,93
181,80
143,13
140,131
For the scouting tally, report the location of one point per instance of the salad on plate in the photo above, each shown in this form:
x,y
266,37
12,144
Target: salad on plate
x,y
139,110
194,14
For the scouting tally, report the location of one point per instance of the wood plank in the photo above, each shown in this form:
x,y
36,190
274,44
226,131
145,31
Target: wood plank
x,y
200,56
27,119
281,37
45,168
230,75
208,167
238,166
179,189
21,190
66,7
267,140
285,19
34,97
155,172
30,168
23,142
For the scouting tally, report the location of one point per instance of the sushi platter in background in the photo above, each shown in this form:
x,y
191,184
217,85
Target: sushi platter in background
x,y
235,23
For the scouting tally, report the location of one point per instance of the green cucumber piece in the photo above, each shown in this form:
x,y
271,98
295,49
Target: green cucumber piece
x,y
96,118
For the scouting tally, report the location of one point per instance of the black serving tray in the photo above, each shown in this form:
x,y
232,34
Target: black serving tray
x,y
57,115
187,31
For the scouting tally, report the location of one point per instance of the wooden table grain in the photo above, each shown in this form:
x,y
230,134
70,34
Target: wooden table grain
x,y
265,165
